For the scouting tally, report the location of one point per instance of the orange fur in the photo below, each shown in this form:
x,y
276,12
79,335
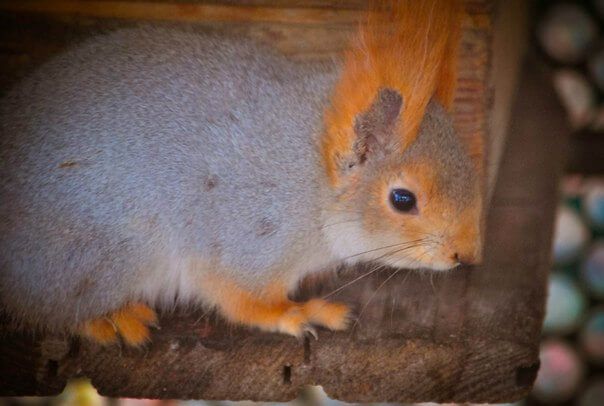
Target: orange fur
x,y
100,330
334,316
271,310
408,45
456,228
130,322
468,238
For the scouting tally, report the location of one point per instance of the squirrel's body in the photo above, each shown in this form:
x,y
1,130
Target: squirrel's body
x,y
172,160
163,166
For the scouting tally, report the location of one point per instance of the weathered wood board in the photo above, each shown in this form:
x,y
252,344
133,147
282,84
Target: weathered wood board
x,y
469,335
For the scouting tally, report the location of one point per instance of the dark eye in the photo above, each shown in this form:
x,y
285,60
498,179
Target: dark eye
x,y
403,200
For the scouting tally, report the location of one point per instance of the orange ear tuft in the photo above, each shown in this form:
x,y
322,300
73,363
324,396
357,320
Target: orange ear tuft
x,y
408,45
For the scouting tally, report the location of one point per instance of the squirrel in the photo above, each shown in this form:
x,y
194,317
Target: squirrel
x,y
148,167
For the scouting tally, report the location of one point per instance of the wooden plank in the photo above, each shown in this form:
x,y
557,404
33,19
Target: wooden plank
x,y
466,336
510,37
183,11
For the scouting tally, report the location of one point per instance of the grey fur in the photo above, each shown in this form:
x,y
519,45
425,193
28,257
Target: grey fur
x,y
145,149
438,144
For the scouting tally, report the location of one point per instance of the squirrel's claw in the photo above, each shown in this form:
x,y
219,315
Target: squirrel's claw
x,y
298,320
310,330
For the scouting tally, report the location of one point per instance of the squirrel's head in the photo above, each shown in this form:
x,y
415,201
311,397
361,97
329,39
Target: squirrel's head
x,y
418,206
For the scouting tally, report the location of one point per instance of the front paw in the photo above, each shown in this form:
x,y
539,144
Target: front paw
x,y
334,316
299,319
295,322
131,323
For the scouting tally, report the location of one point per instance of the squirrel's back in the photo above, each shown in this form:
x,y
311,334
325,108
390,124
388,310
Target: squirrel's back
x,y
123,155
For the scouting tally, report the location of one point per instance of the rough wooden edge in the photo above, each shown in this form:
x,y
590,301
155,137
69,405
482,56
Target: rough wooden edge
x,y
474,370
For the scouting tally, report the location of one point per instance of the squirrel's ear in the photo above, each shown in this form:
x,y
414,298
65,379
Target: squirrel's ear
x,y
375,128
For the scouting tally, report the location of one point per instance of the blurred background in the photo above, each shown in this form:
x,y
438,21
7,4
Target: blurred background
x,y
569,37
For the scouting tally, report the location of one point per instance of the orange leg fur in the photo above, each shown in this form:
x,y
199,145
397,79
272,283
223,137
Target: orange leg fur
x,y
131,322
271,310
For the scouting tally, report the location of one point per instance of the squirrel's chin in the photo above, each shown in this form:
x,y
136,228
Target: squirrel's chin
x,y
422,266
439,267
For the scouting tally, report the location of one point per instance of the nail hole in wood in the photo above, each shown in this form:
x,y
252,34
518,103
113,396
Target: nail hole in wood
x,y
74,347
287,374
52,368
306,350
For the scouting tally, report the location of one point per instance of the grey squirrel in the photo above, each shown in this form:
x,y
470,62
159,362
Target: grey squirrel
x,y
151,166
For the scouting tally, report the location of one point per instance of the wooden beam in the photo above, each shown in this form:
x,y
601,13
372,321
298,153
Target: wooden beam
x,y
183,11
510,38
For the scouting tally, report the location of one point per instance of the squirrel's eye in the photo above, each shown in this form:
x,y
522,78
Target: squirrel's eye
x,y
403,200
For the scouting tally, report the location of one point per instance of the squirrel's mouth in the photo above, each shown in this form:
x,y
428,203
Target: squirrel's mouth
x,y
421,264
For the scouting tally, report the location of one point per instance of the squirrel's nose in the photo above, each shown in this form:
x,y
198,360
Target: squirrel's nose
x,y
464,259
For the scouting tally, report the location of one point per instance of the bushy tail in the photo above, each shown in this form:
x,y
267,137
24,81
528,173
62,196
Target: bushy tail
x,y
408,45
